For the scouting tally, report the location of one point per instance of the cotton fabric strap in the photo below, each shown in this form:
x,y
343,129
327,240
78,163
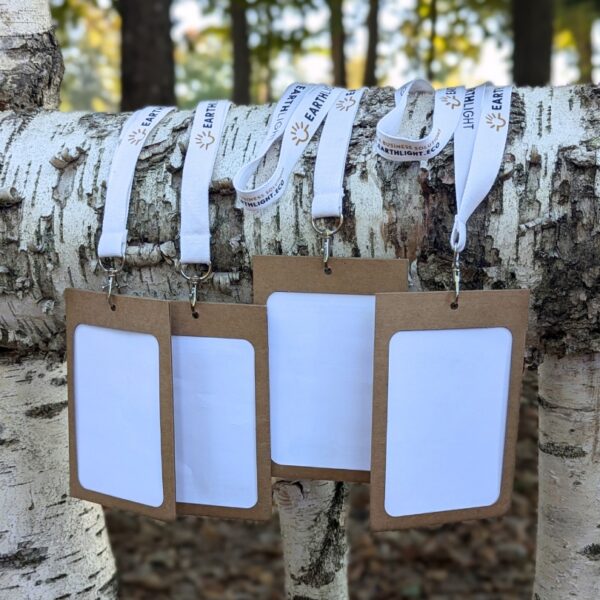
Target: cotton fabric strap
x,y
331,155
479,144
113,239
205,137
448,103
296,126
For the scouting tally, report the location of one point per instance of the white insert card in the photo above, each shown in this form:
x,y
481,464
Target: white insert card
x,y
215,421
448,394
117,413
321,377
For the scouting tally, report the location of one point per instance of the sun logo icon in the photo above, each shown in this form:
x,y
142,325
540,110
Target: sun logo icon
x,y
346,104
299,133
495,121
135,137
451,101
204,139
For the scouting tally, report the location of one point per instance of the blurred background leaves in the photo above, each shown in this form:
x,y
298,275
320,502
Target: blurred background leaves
x,y
125,53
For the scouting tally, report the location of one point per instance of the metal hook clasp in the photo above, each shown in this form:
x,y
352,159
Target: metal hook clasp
x,y
194,281
111,284
326,234
456,277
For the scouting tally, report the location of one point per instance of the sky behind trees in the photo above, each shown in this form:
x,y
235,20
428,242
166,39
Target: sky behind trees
x,y
447,41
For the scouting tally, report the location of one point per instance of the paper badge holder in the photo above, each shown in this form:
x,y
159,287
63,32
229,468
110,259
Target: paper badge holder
x,y
220,364
320,314
448,367
445,406
121,447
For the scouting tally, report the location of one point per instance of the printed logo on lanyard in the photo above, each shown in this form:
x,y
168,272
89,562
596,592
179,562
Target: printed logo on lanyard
x,y
447,111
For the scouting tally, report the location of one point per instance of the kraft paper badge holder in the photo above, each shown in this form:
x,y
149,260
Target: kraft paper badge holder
x,y
121,448
448,369
320,310
220,366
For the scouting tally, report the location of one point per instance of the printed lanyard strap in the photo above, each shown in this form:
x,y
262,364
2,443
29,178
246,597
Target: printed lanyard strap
x,y
448,103
296,119
479,144
205,137
113,239
331,155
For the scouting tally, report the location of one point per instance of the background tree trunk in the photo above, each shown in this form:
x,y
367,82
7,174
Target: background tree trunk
x,y
532,41
51,546
313,517
338,41
431,52
539,228
241,52
147,60
568,518
370,77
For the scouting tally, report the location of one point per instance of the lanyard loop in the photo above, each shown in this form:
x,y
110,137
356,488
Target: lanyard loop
x,y
113,238
479,144
298,116
328,181
446,112
205,138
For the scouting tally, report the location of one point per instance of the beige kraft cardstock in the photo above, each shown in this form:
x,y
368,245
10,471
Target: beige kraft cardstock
x,y
367,276
138,315
235,321
421,311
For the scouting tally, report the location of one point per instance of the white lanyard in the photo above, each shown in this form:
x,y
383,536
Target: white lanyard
x,y
298,128
479,144
446,112
331,156
113,239
203,146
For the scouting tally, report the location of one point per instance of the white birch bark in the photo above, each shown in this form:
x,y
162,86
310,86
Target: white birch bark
x,y
539,229
568,552
313,517
51,546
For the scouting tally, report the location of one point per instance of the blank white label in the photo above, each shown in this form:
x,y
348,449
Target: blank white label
x,y
117,413
215,421
321,378
447,407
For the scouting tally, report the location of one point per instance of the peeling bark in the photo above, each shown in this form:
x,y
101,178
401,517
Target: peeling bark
x,y
31,65
568,551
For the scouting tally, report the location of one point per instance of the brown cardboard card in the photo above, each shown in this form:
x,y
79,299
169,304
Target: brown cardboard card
x,y
120,402
221,399
321,330
445,406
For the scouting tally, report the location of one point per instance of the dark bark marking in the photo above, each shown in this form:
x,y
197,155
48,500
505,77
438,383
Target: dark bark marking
x,y
46,411
562,450
592,551
25,556
329,558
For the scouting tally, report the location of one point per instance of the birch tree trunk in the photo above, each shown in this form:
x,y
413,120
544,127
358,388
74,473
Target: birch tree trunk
x,y
539,228
51,546
568,553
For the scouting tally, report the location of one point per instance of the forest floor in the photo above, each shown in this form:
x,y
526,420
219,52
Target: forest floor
x,y
208,559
